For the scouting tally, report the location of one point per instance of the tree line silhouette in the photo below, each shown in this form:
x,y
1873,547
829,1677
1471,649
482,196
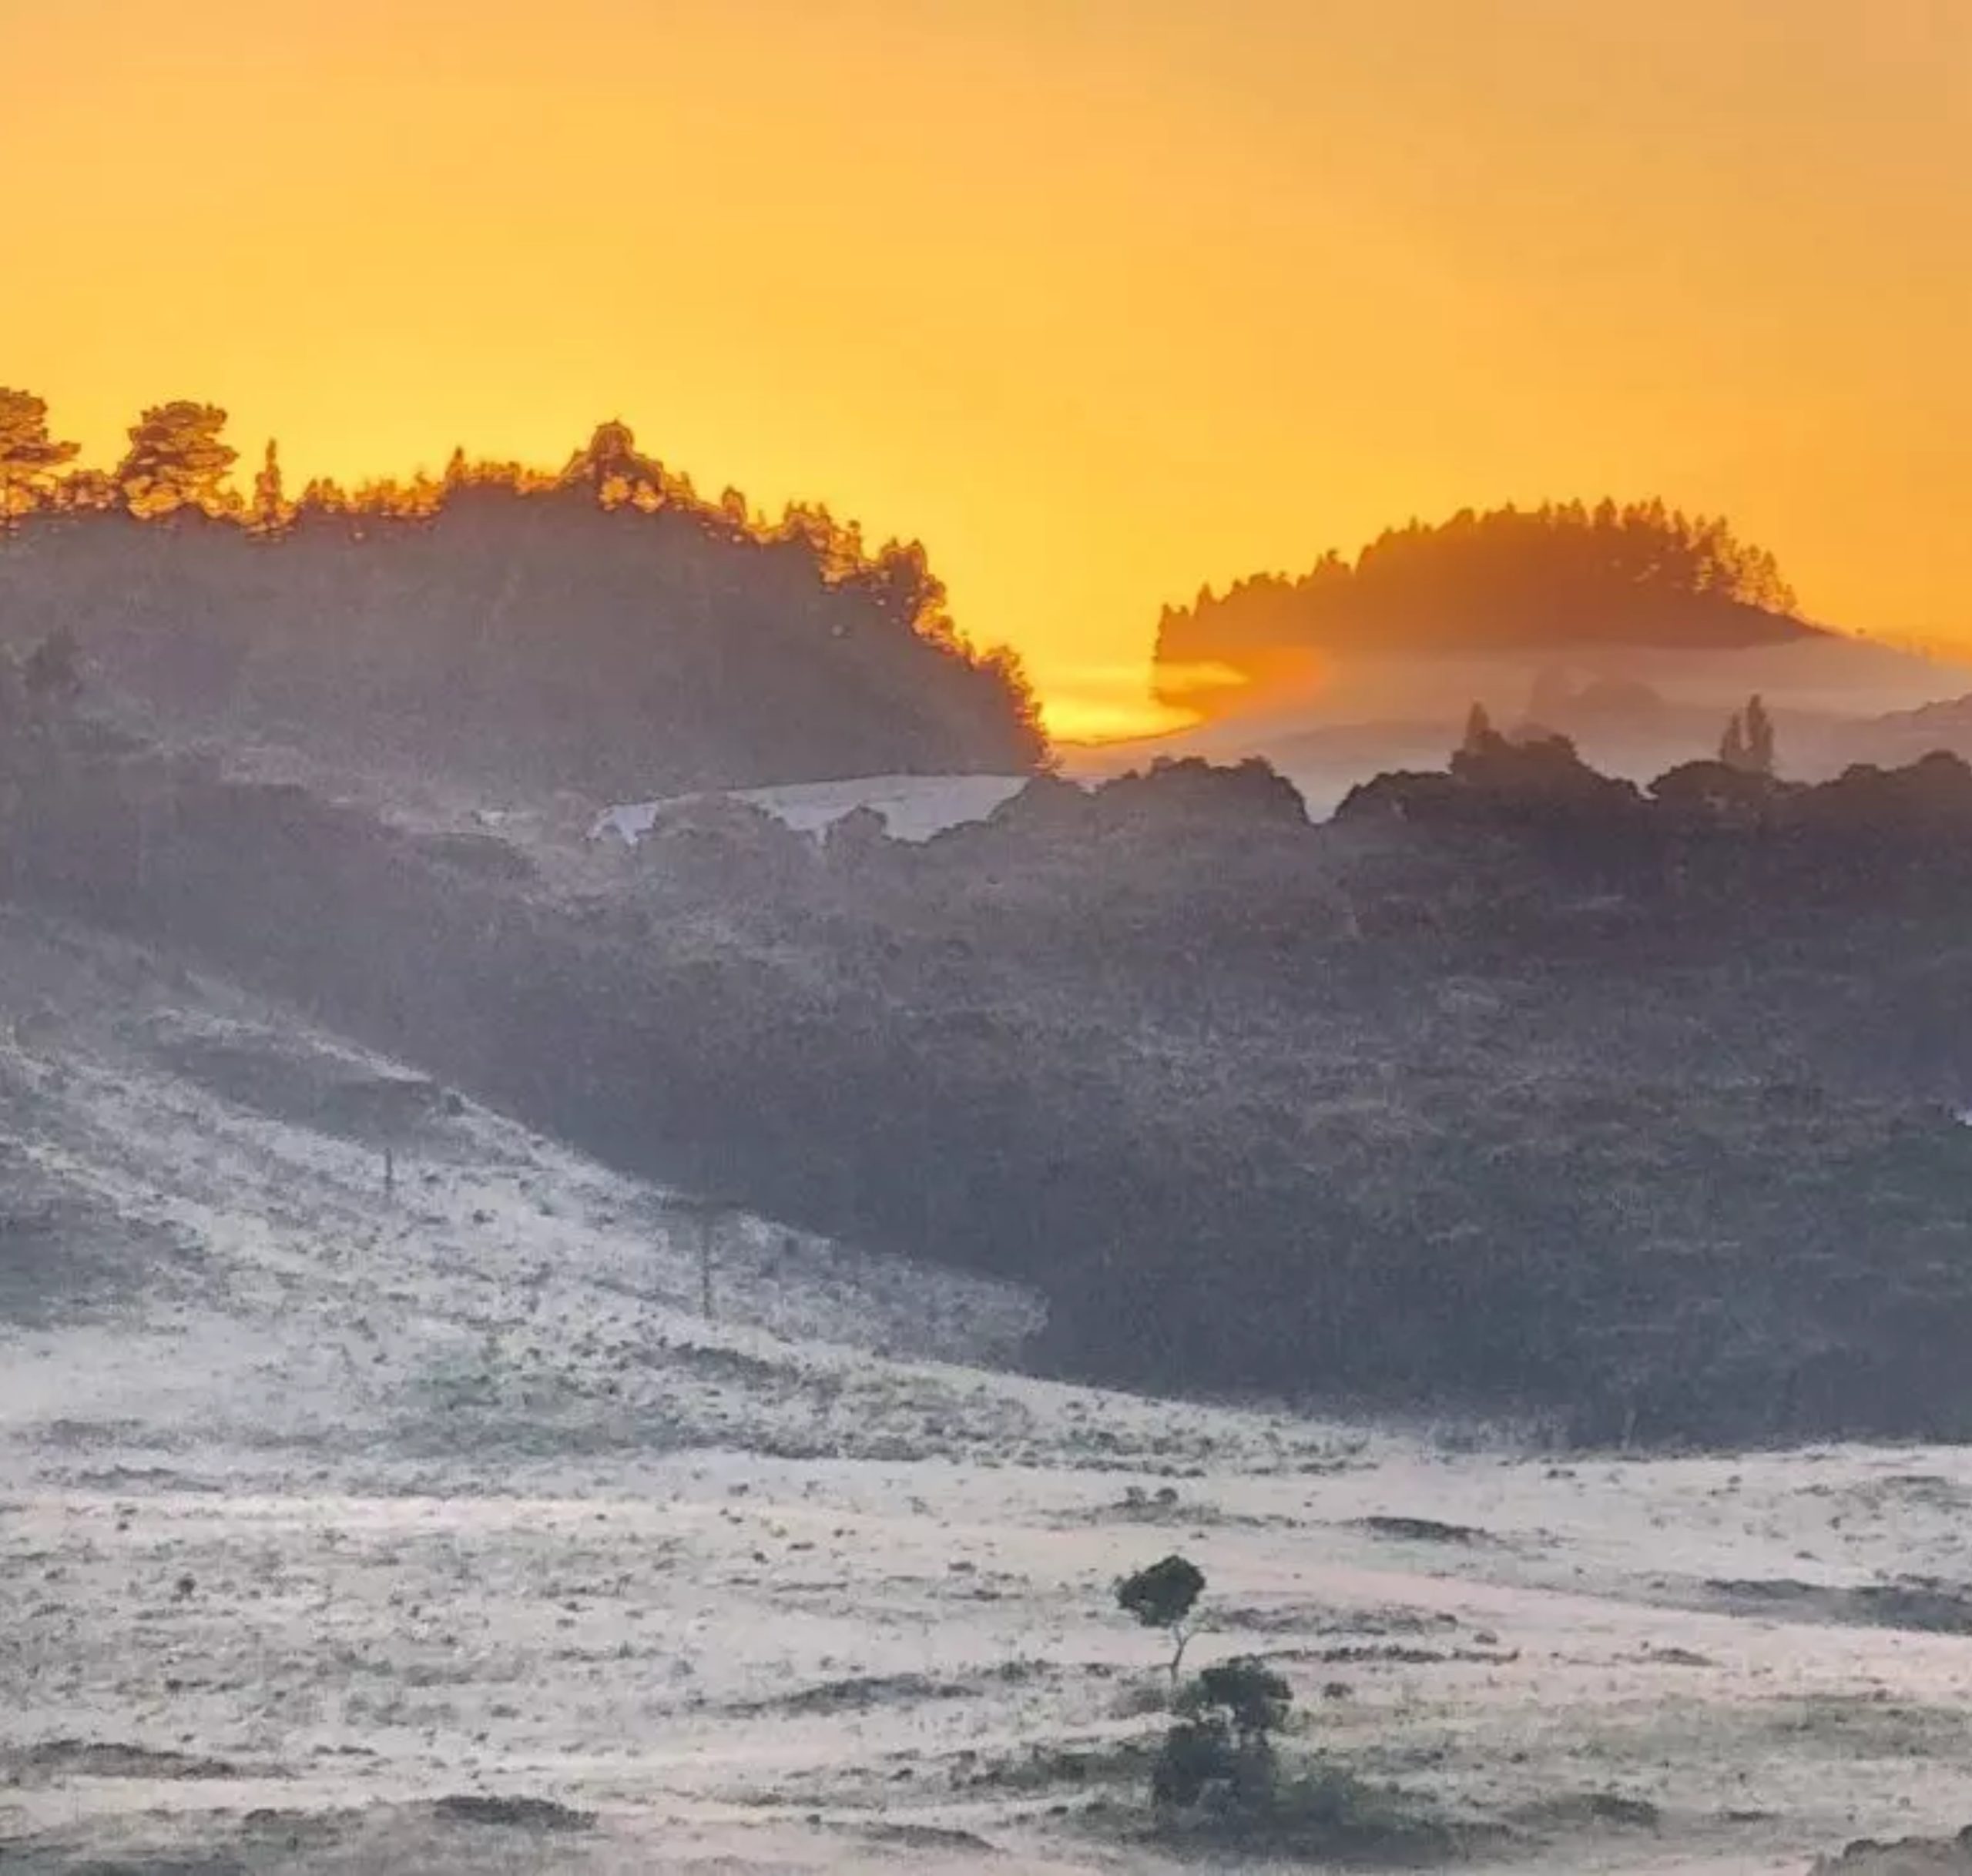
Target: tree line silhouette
x,y
179,459
822,654
1563,573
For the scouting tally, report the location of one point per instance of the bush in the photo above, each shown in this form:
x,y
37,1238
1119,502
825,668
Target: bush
x,y
1253,1698
1327,1806
1200,1758
1220,1751
1216,1775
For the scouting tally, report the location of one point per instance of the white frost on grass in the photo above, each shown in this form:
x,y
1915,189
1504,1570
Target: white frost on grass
x,y
355,1499
913,807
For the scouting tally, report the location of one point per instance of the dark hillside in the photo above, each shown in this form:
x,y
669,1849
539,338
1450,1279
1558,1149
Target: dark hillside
x,y
555,633
1513,1087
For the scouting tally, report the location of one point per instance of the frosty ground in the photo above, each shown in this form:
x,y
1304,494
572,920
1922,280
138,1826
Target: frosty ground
x,y
346,1529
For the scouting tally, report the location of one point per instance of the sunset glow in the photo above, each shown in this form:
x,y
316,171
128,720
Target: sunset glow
x,y
1100,298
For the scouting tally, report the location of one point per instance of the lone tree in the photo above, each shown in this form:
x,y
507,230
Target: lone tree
x,y
177,459
29,455
269,513
709,1215
1760,738
1162,1596
1224,1738
1479,733
1747,745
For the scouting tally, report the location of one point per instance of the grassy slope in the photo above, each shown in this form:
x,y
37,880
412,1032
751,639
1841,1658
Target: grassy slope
x,y
1635,1128
319,1507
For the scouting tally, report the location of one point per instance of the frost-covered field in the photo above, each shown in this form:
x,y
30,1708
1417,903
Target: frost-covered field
x,y
327,1510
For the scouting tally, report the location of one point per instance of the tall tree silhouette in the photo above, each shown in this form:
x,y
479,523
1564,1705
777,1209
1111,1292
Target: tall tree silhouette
x,y
29,455
1747,745
1759,739
177,459
1732,745
269,513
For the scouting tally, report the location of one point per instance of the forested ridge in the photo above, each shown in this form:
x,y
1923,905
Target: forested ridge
x,y
601,628
1561,575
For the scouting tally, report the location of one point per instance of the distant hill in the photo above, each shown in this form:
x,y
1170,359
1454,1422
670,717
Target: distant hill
x,y
603,631
1555,579
1901,736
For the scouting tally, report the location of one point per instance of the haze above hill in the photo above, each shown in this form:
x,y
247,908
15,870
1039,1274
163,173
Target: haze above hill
x,y
603,628
1633,629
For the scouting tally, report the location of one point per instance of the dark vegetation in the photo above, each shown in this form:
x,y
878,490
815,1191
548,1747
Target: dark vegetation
x,y
1908,1856
1218,1776
526,1813
1221,1744
1559,576
603,629
1918,1603
63,1252
1514,1087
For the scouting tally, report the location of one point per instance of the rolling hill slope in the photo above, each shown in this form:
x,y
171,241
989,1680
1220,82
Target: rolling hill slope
x,y
344,1528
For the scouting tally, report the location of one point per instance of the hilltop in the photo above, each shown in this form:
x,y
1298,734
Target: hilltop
x,y
1632,630
601,631
1560,575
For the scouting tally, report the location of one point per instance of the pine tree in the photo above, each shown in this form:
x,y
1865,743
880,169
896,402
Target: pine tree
x,y
177,459
1759,739
1732,745
270,515
1478,730
29,455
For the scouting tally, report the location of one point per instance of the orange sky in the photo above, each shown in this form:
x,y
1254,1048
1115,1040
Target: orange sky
x,y
1101,298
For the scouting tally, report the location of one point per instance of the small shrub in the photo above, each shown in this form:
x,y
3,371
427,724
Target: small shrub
x,y
1217,1777
1197,1755
1220,1751
1326,1804
1253,1698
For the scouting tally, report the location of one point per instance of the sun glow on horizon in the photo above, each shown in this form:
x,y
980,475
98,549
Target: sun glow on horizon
x,y
1102,301
1076,715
